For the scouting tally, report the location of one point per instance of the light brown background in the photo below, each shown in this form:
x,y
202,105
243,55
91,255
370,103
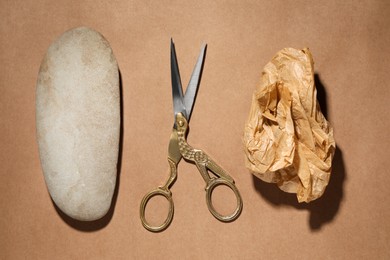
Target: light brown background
x,y
350,44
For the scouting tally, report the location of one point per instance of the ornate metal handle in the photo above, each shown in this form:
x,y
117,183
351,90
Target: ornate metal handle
x,y
214,182
160,191
204,163
168,195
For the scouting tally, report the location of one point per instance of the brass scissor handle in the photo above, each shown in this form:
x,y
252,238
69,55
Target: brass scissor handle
x,y
211,185
214,182
204,163
168,195
162,191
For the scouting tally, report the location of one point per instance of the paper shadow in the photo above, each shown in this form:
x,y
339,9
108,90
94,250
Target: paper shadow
x,y
90,226
321,95
324,209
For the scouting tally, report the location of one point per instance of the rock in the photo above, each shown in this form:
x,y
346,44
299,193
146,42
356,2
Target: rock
x,y
78,123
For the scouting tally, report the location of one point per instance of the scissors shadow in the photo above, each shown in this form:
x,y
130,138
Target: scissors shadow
x,y
324,209
90,226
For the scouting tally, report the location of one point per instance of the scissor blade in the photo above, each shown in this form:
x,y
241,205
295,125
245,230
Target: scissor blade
x,y
193,85
177,91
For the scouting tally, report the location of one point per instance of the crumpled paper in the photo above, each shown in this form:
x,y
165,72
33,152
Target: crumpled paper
x,y
287,139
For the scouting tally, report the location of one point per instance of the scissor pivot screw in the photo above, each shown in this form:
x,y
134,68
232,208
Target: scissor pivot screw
x,y
181,123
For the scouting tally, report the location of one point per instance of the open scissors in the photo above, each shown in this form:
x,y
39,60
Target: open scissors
x,y
178,148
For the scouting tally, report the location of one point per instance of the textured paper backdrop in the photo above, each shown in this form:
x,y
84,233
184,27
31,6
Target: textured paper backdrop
x,y
350,44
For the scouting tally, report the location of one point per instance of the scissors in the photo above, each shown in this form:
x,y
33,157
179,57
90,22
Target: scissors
x,y
179,148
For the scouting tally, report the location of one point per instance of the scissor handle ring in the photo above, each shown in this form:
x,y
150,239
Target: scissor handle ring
x,y
209,190
168,195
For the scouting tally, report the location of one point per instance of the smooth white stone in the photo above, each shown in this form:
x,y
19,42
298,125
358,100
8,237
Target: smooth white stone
x,y
78,122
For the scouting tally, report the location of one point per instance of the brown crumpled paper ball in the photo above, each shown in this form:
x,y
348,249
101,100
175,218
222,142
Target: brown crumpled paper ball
x,y
287,139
